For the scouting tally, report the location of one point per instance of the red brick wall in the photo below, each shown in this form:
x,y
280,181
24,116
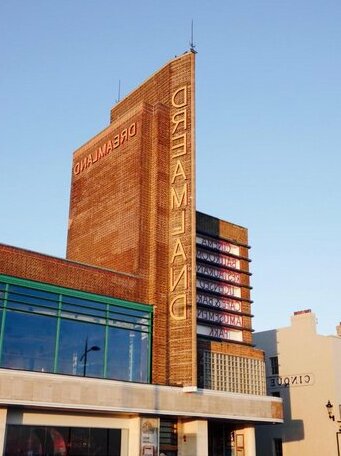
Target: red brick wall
x,y
54,271
121,216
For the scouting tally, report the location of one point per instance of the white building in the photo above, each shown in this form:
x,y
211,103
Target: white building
x,y
304,369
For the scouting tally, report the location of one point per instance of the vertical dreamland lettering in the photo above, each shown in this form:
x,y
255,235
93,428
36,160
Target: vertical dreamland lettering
x,y
179,205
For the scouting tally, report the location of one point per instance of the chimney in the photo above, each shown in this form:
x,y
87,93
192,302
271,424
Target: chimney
x,y
338,329
301,312
304,320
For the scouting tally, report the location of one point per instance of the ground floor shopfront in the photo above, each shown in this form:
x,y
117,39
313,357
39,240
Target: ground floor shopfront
x,y
49,414
41,434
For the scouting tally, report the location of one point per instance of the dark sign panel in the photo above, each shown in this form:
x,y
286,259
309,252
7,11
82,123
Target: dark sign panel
x,y
222,318
220,333
218,302
219,293
218,287
218,259
218,244
218,273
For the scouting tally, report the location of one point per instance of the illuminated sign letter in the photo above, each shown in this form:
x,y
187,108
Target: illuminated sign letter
x,y
179,118
178,307
179,98
180,145
174,281
178,251
179,198
180,229
179,171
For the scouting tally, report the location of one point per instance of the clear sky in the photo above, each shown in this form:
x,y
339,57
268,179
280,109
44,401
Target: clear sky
x,y
268,107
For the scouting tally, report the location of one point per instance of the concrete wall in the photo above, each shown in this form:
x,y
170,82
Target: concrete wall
x,y
51,391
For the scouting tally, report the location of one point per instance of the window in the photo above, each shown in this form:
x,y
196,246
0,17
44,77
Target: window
x,y
29,343
233,373
44,328
127,354
46,440
274,365
278,447
81,349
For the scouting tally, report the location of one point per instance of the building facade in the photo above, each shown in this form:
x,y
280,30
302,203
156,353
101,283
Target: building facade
x,y
303,368
140,341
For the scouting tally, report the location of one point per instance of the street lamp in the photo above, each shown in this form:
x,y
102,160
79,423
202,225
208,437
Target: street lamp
x,y
329,407
84,356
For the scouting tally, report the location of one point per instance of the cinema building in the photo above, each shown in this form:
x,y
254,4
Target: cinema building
x,y
303,369
140,341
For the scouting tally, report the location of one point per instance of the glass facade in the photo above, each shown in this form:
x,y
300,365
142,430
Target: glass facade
x,y
44,328
61,441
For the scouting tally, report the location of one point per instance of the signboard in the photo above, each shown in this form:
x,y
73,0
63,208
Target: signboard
x,y
220,332
218,287
218,244
149,436
222,318
286,381
218,273
180,202
110,144
218,302
218,258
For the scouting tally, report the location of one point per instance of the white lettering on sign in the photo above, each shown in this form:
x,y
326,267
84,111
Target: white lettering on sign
x,y
218,244
220,317
286,381
218,258
220,333
218,287
217,273
218,302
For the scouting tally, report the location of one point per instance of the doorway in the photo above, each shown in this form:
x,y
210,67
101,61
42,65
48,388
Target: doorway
x,y
221,439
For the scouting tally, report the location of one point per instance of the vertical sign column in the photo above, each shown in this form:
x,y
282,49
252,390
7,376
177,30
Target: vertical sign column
x,y
181,235
180,173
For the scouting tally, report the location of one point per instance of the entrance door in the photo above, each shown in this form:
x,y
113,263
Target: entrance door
x,y
221,439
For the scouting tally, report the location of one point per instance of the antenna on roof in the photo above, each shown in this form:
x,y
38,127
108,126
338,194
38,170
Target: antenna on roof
x,y
119,91
191,44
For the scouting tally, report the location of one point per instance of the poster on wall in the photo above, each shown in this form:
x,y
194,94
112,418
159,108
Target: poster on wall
x,y
240,444
149,436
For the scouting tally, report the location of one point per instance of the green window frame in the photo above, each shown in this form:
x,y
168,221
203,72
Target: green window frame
x,y
65,304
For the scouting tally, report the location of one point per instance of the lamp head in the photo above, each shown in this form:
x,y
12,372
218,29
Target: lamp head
x,y
329,407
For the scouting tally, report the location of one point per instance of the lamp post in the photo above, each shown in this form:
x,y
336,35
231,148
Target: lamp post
x,y
331,416
85,354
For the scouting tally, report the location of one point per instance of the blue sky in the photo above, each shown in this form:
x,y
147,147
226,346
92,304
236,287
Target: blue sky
x,y
268,107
